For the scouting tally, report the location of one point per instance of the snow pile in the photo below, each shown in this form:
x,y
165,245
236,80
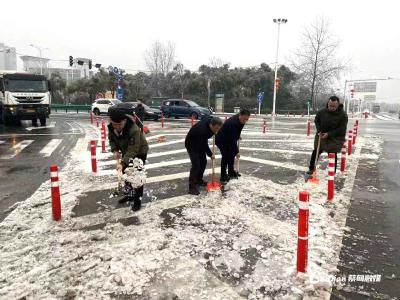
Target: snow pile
x,y
242,244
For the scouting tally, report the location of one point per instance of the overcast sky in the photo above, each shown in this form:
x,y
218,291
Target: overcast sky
x,y
240,32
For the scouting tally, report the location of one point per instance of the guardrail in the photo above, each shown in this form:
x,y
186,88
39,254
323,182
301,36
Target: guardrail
x,y
70,107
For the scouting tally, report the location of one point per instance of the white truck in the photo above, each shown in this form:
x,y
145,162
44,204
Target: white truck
x,y
24,96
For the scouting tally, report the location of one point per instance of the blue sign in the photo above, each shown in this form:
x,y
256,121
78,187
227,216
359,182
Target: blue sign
x,y
260,97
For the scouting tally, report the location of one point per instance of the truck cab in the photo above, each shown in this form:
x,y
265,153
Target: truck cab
x,y
24,96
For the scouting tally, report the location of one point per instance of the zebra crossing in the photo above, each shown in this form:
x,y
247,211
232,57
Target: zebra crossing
x,y
10,149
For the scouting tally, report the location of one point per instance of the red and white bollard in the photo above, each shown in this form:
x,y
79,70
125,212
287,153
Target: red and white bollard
x,y
350,143
192,121
308,127
302,233
264,126
91,118
97,121
93,156
55,193
343,158
162,121
331,175
103,137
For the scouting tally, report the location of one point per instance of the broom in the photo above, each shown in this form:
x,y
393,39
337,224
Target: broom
x,y
213,185
314,178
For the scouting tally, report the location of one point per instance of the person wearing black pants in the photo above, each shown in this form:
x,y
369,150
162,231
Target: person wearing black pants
x,y
127,142
196,144
331,124
227,142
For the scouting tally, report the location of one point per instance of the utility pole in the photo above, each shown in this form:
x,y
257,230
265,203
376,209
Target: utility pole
x,y
208,92
279,22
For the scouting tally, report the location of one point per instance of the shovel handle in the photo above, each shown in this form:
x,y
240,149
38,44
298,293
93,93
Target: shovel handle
x,y
238,159
213,161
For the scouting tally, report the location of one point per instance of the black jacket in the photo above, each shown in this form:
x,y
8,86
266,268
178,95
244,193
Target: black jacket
x,y
335,124
139,111
197,137
229,134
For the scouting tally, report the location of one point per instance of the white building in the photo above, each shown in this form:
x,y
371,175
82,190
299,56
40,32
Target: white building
x,y
8,57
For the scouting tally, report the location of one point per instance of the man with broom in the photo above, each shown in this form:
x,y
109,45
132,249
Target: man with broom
x,y
127,142
331,124
227,142
196,144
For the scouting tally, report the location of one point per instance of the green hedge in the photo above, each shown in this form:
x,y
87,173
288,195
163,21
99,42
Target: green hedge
x,y
71,107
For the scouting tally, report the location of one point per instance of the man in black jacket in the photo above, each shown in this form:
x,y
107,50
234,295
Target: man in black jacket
x,y
227,142
196,144
331,124
140,114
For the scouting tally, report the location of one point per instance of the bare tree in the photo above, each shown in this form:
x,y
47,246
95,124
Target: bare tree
x,y
179,69
315,60
160,58
216,62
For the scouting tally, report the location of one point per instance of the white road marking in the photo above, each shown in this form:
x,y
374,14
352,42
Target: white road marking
x,y
280,141
52,125
50,147
274,163
166,143
274,150
17,149
2,142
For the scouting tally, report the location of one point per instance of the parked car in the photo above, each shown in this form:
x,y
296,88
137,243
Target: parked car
x,y
101,105
183,108
149,113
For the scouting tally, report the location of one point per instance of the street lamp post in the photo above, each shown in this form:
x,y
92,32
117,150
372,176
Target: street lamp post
x,y
40,55
279,22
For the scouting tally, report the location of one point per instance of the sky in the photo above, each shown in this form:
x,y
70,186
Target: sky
x,y
239,32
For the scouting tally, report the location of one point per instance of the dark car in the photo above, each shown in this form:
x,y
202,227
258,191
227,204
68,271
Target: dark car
x,y
149,113
183,108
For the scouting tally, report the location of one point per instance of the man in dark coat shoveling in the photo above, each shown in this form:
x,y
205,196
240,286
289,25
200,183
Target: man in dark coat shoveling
x,y
196,143
227,142
331,124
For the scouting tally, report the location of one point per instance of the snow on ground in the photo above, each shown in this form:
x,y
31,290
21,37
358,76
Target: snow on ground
x,y
240,245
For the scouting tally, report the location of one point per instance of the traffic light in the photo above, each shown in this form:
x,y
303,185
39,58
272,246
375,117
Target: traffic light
x,y
90,64
71,61
277,84
98,66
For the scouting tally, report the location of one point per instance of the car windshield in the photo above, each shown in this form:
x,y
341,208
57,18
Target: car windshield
x,y
191,103
115,102
17,85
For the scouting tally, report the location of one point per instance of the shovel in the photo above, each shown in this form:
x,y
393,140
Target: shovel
x,y
238,159
314,178
117,191
213,185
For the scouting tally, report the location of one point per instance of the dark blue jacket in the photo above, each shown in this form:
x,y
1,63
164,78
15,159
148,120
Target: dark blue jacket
x,y
197,137
229,134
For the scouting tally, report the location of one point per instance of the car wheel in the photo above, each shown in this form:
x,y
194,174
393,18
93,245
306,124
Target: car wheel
x,y
194,116
96,111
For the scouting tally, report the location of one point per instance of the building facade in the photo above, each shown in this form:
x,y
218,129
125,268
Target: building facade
x,y
8,57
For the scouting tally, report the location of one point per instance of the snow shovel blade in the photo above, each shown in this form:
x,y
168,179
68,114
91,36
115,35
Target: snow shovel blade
x,y
314,178
213,185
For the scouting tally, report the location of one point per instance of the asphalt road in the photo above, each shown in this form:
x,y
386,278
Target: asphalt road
x,y
370,247
372,244
26,154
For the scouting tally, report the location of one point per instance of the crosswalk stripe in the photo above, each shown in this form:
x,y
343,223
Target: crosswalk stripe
x,y
274,163
17,149
50,147
2,142
166,143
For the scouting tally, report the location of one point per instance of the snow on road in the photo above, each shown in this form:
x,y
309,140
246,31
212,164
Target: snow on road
x,y
240,245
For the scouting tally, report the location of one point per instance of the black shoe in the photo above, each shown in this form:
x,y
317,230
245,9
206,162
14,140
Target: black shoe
x,y
203,183
194,190
224,178
137,204
311,171
234,175
125,199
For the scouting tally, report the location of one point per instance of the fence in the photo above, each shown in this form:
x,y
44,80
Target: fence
x,y
70,107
